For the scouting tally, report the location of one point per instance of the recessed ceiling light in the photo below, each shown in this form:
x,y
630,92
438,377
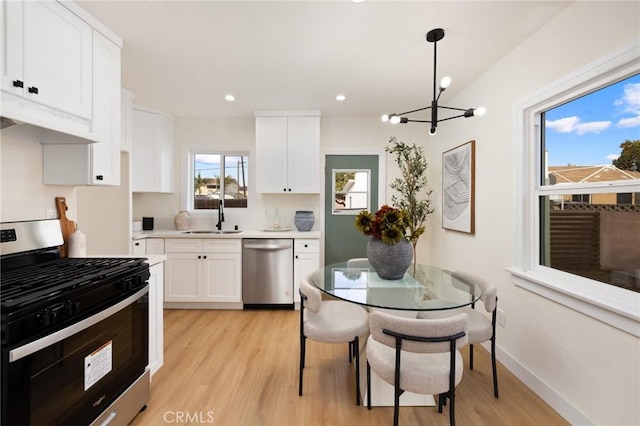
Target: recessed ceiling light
x,y
230,98
340,98
357,1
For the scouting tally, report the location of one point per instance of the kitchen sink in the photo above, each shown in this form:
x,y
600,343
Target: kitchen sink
x,y
213,232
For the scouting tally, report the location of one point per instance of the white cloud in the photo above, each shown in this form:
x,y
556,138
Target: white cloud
x,y
612,157
630,122
574,124
630,100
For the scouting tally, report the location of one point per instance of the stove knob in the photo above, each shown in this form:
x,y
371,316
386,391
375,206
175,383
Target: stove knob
x,y
71,308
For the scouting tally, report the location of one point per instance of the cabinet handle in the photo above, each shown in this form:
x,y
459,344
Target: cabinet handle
x,y
306,245
18,83
296,256
99,177
284,189
199,257
137,244
289,189
204,257
33,90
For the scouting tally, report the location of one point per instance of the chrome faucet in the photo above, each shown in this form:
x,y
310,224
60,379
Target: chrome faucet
x,y
220,216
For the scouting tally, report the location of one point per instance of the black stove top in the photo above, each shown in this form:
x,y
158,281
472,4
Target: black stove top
x,y
41,292
22,286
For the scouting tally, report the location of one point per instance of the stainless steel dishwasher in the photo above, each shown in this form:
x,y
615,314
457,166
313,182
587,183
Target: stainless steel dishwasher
x,y
267,273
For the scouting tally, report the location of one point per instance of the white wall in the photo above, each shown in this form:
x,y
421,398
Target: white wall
x,y
22,194
587,370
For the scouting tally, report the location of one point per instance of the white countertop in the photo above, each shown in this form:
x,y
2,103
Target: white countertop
x,y
172,233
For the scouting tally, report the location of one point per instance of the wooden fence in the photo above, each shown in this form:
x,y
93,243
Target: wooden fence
x,y
574,239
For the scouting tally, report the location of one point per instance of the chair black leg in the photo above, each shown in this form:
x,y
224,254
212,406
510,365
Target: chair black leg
x,y
396,399
440,402
452,419
350,351
368,386
470,357
493,366
356,348
302,357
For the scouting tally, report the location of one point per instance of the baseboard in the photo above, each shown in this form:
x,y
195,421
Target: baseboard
x,y
546,393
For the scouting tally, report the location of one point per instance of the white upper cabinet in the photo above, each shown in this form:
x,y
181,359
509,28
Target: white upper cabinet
x,y
47,66
126,120
96,163
152,151
288,152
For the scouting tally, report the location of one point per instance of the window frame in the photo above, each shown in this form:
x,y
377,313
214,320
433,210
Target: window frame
x,y
351,212
615,306
188,191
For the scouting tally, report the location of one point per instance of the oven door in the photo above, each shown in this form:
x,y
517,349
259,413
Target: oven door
x,y
72,375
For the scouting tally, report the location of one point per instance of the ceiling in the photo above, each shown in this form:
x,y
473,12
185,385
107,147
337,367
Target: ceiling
x,y
183,57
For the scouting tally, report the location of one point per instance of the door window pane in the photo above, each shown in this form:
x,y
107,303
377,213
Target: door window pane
x,y
351,189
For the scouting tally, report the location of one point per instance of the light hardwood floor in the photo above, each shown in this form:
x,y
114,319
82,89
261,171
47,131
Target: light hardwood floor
x,y
241,368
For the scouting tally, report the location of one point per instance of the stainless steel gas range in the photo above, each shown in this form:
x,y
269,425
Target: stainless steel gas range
x,y
74,332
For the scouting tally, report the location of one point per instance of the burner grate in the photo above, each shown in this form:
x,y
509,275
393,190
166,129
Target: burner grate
x,y
45,280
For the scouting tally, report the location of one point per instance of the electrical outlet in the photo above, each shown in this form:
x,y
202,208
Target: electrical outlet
x,y
49,214
502,318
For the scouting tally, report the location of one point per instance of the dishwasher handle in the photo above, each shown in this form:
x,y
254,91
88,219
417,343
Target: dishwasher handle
x,y
272,246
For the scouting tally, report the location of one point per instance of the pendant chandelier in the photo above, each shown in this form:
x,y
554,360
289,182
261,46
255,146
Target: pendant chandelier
x,y
434,36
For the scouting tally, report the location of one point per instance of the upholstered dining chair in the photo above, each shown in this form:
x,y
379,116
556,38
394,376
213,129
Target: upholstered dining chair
x,y
417,355
481,328
330,321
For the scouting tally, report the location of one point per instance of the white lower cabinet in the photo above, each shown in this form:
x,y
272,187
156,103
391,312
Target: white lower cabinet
x,y
203,270
306,259
139,247
156,319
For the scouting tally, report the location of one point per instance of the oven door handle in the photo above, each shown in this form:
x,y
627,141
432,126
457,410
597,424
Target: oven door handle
x,y
60,335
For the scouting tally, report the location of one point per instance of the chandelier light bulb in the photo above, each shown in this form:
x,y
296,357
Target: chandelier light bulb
x,y
385,118
394,120
432,131
479,112
445,82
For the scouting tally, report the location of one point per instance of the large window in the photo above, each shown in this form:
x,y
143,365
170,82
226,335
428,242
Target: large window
x,y
218,176
592,144
577,236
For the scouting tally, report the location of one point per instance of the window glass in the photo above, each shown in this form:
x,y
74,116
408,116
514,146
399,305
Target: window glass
x,y
218,177
589,220
351,190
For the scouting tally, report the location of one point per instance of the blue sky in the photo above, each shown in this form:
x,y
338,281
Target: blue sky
x,y
589,130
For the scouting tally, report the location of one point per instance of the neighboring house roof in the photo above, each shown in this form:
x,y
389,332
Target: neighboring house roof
x,y
589,174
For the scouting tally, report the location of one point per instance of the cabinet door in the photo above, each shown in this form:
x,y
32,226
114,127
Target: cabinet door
x,y
139,247
106,111
125,120
271,152
12,47
303,154
152,152
303,265
182,275
57,58
156,320
143,136
222,277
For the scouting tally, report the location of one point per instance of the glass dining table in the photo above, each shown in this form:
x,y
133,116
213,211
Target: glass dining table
x,y
423,287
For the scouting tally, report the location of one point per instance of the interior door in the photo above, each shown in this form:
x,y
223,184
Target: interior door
x,y
351,184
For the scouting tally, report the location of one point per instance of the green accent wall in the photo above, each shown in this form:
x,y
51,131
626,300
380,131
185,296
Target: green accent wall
x,y
342,240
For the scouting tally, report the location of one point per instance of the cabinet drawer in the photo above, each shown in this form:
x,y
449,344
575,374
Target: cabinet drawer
x,y
183,245
306,246
222,246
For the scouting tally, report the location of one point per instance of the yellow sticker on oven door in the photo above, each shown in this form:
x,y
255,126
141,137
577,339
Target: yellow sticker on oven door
x,y
98,364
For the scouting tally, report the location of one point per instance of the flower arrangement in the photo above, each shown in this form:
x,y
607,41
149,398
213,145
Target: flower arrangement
x,y
388,224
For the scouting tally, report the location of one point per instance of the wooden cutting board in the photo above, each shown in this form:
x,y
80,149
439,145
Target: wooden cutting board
x,y
67,226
